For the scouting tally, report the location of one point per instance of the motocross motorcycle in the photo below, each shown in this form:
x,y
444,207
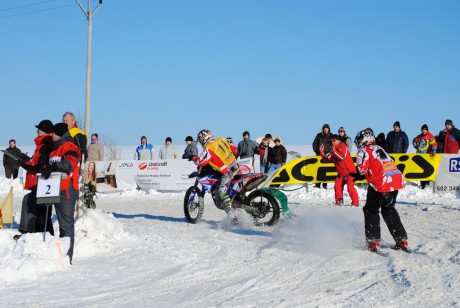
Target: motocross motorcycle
x,y
260,204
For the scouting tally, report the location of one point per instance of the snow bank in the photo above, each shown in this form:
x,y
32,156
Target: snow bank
x,y
6,184
96,234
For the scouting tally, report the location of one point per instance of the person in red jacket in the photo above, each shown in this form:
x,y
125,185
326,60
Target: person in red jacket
x,y
384,180
33,216
450,138
65,159
344,165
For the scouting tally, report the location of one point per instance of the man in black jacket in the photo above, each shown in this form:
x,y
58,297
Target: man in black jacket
x,y
397,141
10,164
323,138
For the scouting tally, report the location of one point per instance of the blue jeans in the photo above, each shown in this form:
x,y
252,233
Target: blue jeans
x,y
274,167
263,167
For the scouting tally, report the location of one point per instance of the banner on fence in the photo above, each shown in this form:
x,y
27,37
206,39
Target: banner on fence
x,y
448,178
160,175
310,169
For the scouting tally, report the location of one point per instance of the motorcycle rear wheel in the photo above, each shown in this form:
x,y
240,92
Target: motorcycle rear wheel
x,y
193,205
268,208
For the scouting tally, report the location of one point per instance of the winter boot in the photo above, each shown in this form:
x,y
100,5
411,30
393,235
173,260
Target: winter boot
x,y
403,245
374,246
340,202
17,237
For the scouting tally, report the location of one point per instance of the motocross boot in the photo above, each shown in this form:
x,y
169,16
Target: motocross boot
x,y
229,209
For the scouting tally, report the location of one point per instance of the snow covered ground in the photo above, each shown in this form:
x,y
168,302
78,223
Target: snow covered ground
x,y
136,249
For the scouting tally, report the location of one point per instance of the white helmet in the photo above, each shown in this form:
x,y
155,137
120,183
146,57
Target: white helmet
x,y
364,138
204,136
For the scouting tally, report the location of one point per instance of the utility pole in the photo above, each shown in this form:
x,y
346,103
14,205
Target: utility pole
x,y
89,15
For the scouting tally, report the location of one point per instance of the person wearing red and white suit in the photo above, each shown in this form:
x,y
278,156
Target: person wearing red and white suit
x,y
385,180
344,165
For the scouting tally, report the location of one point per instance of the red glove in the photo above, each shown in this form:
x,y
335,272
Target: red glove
x,y
196,159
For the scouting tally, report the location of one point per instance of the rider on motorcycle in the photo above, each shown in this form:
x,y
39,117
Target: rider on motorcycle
x,y
218,154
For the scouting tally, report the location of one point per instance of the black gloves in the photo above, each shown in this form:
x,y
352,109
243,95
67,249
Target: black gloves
x,y
22,164
357,177
24,157
48,170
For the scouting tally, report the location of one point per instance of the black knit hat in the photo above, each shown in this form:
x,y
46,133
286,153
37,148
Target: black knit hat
x,y
268,136
168,139
45,126
397,124
449,122
424,126
189,138
246,133
60,129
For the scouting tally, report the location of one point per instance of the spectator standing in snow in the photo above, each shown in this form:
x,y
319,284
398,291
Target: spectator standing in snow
x,y
65,159
345,139
191,148
322,138
345,167
246,147
449,138
33,216
95,149
144,151
79,137
168,151
397,141
385,180
263,150
425,143
9,163
277,155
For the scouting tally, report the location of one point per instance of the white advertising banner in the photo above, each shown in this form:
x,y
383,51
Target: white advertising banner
x,y
448,175
160,175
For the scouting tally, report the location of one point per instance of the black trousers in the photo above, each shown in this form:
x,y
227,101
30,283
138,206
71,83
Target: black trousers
x,y
11,171
385,202
33,216
65,214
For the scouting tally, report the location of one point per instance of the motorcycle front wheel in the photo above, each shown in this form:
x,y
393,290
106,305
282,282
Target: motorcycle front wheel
x,y
193,205
268,209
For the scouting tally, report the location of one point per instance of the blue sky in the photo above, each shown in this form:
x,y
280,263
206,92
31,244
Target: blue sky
x,y
171,68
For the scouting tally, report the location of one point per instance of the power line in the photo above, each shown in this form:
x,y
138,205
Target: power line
x,y
26,5
38,11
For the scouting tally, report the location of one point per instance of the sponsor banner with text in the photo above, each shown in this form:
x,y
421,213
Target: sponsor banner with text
x,y
160,175
310,169
448,178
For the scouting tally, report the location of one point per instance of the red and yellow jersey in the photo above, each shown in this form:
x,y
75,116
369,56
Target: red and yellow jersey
x,y
425,143
218,154
380,170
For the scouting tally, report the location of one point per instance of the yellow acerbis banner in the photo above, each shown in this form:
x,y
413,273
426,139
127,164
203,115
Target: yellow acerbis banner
x,y
310,169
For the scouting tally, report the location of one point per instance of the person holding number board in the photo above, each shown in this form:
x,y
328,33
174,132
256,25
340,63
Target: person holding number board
x,y
32,215
65,158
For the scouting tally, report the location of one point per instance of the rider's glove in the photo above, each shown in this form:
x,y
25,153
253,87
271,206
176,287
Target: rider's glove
x,y
196,159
